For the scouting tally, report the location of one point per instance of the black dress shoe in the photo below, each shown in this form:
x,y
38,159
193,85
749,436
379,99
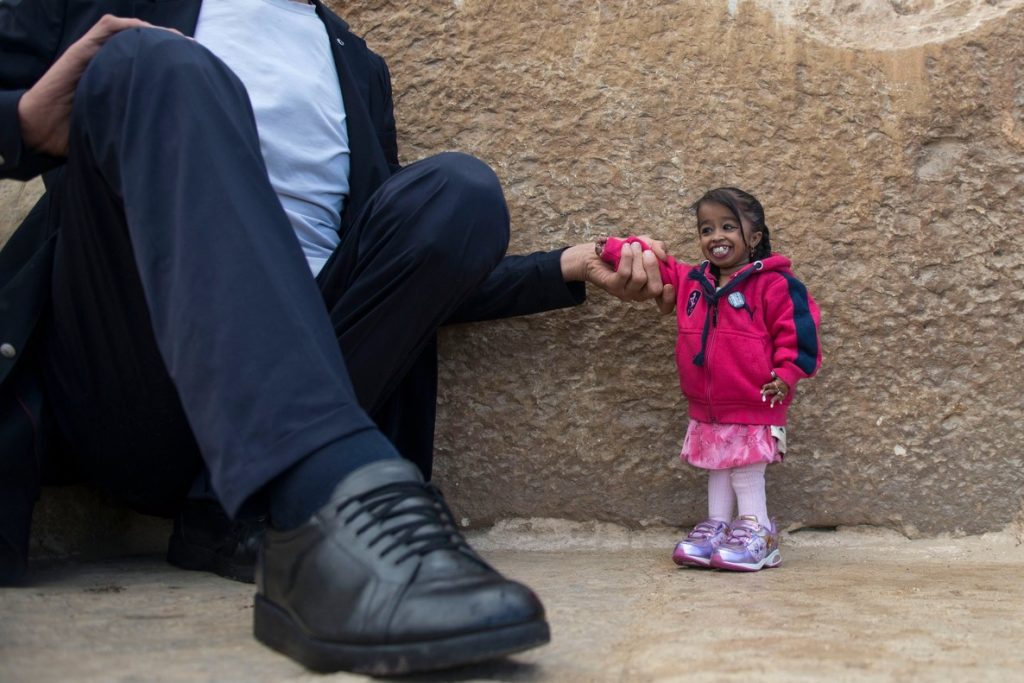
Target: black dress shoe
x,y
206,539
380,581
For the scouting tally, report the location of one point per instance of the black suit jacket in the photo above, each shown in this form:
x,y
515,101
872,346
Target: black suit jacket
x,y
33,34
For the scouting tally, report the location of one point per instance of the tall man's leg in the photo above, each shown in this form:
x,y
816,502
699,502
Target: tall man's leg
x,y
427,239
165,174
215,330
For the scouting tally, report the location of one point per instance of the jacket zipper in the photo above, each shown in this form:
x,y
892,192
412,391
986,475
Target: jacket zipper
x,y
707,359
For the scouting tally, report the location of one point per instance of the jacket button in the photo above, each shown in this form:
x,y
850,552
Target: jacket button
x,y
7,351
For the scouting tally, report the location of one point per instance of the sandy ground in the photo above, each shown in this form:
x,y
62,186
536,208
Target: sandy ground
x,y
852,605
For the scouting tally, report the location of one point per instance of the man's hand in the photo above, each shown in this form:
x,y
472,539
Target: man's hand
x,y
637,278
44,111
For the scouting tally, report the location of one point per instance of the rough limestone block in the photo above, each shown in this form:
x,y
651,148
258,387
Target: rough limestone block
x,y
886,141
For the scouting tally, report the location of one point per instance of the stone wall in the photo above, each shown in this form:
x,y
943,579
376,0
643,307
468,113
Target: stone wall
x,y
886,141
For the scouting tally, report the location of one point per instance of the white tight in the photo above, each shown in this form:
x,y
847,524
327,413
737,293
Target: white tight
x,y
721,498
741,487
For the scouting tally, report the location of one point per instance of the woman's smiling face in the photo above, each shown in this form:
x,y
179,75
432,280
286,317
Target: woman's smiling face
x,y
722,238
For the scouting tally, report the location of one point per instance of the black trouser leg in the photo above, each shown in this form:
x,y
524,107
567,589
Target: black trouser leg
x,y
407,416
182,305
429,236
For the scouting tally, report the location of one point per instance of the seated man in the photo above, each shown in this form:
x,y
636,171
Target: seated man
x,y
229,269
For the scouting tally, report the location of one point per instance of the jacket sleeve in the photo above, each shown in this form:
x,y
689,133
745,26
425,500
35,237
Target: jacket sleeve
x,y
30,32
794,325
521,285
383,113
672,271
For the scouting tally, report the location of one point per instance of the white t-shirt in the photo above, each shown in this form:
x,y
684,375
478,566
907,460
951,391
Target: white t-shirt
x,y
281,52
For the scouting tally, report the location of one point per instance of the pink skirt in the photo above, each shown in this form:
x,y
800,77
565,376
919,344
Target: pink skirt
x,y
715,446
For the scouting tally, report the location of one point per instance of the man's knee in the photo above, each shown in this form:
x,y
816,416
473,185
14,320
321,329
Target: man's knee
x,y
154,58
473,183
475,204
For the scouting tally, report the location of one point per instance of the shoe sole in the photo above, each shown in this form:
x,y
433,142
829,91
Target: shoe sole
x,y
193,558
770,562
684,560
276,629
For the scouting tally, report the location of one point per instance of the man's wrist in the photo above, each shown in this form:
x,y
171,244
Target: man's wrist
x,y
32,120
574,262
25,119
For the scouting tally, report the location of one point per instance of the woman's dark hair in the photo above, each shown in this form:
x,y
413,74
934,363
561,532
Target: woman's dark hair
x,y
740,202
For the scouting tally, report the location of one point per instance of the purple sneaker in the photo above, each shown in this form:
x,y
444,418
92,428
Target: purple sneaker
x,y
695,550
749,547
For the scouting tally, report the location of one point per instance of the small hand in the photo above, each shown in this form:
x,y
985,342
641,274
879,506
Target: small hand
x,y
775,391
44,111
667,301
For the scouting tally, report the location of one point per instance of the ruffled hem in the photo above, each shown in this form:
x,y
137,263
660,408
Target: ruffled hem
x,y
718,446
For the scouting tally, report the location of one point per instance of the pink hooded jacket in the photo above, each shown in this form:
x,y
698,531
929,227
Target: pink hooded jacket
x,y
731,340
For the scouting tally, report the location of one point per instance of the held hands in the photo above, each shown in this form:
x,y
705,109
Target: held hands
x,y
44,111
775,391
637,278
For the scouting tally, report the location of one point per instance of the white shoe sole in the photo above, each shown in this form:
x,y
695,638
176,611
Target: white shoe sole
x,y
772,560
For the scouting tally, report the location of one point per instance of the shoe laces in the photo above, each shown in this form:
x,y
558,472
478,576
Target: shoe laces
x,y
740,535
704,530
426,523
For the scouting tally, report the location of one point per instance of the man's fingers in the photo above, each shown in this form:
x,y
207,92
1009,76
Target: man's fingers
x,y
652,273
72,63
102,31
44,111
622,273
637,274
108,25
657,246
637,278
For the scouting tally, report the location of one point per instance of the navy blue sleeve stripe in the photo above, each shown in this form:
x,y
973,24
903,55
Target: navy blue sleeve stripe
x,y
806,333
